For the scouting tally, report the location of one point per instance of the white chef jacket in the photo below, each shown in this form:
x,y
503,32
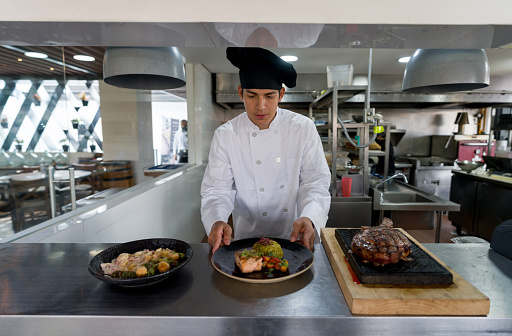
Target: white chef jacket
x,y
180,141
266,178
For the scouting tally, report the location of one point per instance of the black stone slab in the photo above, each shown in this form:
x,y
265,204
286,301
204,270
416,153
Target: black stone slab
x,y
421,270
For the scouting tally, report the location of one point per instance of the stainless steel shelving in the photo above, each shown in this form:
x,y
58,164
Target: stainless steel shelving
x,y
331,99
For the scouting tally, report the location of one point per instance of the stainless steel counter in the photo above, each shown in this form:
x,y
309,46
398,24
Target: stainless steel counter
x,y
503,181
45,289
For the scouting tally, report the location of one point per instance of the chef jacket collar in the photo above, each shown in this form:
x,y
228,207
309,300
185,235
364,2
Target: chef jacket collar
x,y
273,124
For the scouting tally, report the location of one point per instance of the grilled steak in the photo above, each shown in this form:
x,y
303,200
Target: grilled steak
x,y
381,244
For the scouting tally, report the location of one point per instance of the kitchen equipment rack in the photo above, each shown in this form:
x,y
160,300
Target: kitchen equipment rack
x,y
331,100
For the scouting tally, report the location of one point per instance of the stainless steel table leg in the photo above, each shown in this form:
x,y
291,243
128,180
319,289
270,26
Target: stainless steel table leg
x,y
72,189
439,215
51,185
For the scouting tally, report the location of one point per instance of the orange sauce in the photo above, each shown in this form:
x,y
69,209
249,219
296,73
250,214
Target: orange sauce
x,y
352,274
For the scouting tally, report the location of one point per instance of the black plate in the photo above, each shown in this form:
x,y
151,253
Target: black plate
x,y
113,252
422,269
299,258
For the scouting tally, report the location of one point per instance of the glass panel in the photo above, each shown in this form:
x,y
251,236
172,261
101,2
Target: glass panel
x,y
31,103
168,111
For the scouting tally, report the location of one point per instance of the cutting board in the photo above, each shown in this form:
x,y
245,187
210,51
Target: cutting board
x,y
458,298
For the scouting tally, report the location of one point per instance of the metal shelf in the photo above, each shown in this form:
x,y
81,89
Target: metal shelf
x,y
344,93
370,152
347,126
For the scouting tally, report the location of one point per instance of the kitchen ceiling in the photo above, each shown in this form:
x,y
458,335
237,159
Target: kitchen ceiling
x,y
311,61
315,60
205,43
14,64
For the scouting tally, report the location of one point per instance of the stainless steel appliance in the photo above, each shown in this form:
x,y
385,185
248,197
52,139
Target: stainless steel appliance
x,y
432,174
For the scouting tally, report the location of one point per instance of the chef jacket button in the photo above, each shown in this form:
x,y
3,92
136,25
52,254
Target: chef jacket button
x,y
258,162
264,214
262,190
254,134
282,187
285,210
275,132
278,160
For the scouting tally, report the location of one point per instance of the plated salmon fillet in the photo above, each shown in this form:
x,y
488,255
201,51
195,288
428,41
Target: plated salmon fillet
x,y
248,261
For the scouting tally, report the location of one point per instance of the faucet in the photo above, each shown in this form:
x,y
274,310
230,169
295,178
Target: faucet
x,y
390,178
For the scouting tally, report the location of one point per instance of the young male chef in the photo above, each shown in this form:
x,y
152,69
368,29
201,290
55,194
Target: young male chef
x,y
266,166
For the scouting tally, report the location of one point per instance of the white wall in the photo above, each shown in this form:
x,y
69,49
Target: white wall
x,y
330,11
204,114
127,127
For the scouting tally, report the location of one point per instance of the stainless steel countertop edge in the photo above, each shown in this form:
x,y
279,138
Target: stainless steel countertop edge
x,y
254,325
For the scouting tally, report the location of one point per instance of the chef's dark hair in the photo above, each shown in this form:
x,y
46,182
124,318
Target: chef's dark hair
x,y
261,69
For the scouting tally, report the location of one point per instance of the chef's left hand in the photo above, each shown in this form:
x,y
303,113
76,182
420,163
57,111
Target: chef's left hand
x,y
303,232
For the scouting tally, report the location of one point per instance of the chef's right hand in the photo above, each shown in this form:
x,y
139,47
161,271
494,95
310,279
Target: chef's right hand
x,y
220,235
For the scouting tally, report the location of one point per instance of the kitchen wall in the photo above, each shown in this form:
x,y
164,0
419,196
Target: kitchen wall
x,y
420,125
203,113
127,127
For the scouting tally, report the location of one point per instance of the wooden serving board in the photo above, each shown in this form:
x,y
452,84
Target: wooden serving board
x,y
420,269
458,298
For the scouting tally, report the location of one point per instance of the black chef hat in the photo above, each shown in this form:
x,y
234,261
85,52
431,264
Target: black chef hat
x,y
261,69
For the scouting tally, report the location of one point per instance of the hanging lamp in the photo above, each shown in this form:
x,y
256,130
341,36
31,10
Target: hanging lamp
x,y
446,70
461,120
146,68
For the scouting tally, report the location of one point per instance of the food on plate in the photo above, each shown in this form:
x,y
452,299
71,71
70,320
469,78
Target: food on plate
x,y
248,261
265,255
274,263
381,245
142,263
267,247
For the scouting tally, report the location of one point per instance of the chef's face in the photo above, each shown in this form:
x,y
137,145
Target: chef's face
x,y
261,104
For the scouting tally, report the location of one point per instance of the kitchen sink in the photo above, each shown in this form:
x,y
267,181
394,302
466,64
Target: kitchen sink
x,y
410,207
399,197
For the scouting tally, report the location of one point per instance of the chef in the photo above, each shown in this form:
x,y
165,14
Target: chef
x,y
180,145
266,166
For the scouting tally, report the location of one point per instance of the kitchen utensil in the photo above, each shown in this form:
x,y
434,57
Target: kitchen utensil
x,y
352,169
342,162
113,252
469,166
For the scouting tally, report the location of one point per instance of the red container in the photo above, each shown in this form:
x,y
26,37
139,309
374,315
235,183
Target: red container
x,y
346,186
